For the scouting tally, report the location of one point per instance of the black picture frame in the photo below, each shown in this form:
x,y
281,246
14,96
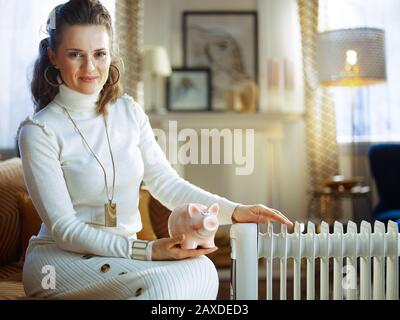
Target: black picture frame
x,y
189,89
227,43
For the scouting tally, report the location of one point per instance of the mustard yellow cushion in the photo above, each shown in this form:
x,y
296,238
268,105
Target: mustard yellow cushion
x,y
147,232
159,217
29,220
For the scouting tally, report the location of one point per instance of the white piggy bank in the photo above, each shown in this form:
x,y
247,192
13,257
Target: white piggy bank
x,y
197,222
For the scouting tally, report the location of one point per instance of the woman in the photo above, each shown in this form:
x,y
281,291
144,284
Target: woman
x,y
84,154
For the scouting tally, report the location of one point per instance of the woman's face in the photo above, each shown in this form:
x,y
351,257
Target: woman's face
x,y
83,57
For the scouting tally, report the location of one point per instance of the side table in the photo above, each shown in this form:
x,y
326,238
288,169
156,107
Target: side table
x,y
328,201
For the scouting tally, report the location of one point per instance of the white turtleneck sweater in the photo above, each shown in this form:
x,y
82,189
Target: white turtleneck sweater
x,y
67,185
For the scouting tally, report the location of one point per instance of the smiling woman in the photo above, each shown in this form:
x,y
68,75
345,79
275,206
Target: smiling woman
x,y
22,27
78,53
85,153
83,65
84,157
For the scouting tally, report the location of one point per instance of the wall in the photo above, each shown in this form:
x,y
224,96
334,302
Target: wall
x,y
278,41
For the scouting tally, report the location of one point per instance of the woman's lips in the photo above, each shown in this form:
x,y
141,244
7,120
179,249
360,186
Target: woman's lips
x,y
88,79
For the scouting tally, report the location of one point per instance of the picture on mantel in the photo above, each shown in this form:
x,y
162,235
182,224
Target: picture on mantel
x,y
225,42
188,89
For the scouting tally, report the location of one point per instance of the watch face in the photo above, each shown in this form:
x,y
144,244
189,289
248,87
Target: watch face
x,y
139,248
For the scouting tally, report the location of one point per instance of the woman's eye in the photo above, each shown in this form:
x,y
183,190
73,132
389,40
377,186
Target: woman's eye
x,y
101,54
75,54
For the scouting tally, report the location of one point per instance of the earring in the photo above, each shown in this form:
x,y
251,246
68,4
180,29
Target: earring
x,y
115,82
47,79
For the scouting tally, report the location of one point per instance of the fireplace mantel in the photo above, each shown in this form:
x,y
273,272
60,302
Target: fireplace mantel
x,y
232,120
263,185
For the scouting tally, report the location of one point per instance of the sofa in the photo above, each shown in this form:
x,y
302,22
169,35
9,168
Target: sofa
x,y
19,221
384,163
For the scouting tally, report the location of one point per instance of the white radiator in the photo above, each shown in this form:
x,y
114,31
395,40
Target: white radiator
x,y
354,274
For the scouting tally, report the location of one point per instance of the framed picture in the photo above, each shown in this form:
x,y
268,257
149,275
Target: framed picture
x,y
227,43
189,89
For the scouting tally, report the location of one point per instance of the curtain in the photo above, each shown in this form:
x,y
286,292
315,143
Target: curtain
x,y
22,26
129,27
320,116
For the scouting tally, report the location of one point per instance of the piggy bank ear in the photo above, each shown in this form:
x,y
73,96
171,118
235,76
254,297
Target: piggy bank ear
x,y
213,209
193,209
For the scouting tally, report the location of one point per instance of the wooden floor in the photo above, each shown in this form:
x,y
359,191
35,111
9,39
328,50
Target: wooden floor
x,y
224,290
224,287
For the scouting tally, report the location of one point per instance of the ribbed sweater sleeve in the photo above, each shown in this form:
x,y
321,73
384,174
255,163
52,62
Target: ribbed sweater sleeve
x,y
46,185
163,181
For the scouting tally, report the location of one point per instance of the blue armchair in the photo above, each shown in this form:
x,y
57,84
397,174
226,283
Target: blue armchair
x,y
384,161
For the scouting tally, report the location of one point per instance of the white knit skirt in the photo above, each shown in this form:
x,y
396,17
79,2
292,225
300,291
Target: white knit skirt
x,y
79,276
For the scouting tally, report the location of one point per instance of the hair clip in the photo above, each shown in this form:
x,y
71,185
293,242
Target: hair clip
x,y
52,18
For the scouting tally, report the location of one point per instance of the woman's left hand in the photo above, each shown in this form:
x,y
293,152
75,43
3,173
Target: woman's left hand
x,y
259,214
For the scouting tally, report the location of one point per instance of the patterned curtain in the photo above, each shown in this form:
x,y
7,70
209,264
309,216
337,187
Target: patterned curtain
x,y
320,114
129,30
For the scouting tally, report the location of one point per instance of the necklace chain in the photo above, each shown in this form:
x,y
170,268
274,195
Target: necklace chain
x,y
97,159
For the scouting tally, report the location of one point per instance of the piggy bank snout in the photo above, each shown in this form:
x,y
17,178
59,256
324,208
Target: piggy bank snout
x,y
210,223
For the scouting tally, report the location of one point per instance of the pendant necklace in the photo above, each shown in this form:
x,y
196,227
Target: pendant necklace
x,y
110,208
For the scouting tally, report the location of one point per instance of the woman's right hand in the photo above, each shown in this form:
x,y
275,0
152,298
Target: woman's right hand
x,y
170,249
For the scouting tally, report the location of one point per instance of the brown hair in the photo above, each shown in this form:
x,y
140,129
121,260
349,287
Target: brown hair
x,y
73,12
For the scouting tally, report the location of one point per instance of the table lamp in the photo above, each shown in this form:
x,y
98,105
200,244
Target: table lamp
x,y
156,63
351,58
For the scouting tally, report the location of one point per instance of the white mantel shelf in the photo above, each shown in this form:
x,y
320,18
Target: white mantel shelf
x,y
223,119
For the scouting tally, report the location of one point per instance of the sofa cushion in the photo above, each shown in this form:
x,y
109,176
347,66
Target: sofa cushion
x,y
11,181
159,217
29,220
147,232
11,272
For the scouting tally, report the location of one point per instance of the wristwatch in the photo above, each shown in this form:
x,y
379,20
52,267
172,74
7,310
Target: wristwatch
x,y
141,250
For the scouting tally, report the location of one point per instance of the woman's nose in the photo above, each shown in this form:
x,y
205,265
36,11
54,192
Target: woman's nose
x,y
89,64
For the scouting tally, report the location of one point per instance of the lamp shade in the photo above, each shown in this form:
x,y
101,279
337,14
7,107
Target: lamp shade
x,y
351,57
155,61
